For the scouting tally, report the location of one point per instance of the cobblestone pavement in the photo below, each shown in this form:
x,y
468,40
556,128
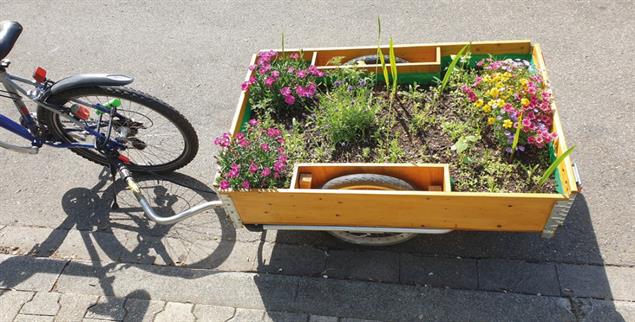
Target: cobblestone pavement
x,y
64,256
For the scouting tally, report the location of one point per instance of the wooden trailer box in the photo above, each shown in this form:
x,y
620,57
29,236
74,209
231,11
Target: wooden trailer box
x,y
305,205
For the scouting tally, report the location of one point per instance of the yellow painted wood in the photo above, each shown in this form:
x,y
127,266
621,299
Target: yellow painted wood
x,y
401,67
242,102
414,209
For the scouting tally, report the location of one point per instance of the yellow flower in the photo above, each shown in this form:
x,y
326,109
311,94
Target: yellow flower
x,y
507,75
523,81
478,103
491,120
507,124
524,101
494,92
487,107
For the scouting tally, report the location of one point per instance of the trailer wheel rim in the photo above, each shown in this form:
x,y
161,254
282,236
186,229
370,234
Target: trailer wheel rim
x,y
371,239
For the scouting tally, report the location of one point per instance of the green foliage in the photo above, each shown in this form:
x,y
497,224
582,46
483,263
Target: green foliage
x,y
464,143
380,54
554,165
390,151
393,66
448,72
347,115
517,134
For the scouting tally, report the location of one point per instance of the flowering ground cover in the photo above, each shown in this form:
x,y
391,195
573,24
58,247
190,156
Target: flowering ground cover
x,y
491,123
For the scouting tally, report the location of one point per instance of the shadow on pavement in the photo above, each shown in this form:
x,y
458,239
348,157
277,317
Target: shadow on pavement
x,y
89,210
569,265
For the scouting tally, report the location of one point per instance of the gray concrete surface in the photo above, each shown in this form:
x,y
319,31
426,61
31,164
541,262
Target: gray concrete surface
x,y
193,55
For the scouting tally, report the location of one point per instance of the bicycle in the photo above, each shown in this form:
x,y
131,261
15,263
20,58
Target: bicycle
x,y
99,119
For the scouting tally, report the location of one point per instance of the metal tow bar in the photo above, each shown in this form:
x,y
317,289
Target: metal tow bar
x,y
125,174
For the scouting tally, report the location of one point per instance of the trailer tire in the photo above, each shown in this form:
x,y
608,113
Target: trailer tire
x,y
368,181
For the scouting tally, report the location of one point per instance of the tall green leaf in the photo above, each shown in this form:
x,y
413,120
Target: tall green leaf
x,y
448,73
393,65
517,134
380,55
554,165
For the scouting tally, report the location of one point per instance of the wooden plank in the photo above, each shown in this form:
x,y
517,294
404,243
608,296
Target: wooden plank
x,y
242,102
565,169
305,181
411,53
401,67
421,176
314,58
406,209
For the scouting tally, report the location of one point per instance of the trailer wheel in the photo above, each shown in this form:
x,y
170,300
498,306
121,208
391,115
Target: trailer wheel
x,y
367,181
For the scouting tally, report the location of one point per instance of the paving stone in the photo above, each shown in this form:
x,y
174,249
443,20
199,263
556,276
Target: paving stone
x,y
606,282
107,308
438,272
73,307
33,318
95,246
224,255
285,317
155,250
357,320
605,311
177,284
247,315
363,265
291,260
518,276
43,303
19,240
29,273
212,313
11,302
142,310
391,302
181,312
322,318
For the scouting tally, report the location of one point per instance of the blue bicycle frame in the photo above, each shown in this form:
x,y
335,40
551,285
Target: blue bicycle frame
x,y
28,127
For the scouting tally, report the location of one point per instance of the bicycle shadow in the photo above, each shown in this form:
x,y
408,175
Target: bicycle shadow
x,y
91,219
442,261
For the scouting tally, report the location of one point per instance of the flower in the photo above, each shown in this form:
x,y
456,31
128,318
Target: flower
x,y
301,74
491,120
524,101
290,100
223,141
269,81
478,103
507,124
245,184
266,171
273,132
224,184
234,171
253,122
253,168
294,56
285,91
265,147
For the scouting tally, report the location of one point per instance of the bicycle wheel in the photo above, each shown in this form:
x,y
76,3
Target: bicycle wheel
x,y
366,181
157,137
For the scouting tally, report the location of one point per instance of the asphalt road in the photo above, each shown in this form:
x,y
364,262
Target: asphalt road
x,y
194,54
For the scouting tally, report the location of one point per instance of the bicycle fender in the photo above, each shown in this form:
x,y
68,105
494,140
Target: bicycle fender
x,y
90,80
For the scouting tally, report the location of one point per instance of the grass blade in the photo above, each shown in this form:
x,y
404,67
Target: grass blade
x,y
393,65
448,73
380,55
517,134
553,166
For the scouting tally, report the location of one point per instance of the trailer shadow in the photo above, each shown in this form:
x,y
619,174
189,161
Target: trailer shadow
x,y
111,236
569,265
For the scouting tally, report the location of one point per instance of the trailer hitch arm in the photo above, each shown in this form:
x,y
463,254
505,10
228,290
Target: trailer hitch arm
x,y
150,213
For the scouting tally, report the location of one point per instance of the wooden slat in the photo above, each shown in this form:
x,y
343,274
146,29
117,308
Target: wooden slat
x,y
421,176
463,211
565,169
242,103
401,67
411,53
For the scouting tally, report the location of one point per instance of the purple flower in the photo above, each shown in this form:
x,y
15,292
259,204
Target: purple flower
x,y
245,184
301,74
269,81
265,147
273,132
253,122
285,91
253,168
275,74
234,171
224,184
290,99
266,171
223,141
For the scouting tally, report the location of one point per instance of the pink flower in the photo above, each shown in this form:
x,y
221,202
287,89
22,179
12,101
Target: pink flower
x,y
290,70
290,100
253,168
245,184
244,86
477,81
310,90
314,71
253,122
265,147
266,171
234,171
243,143
269,81
224,184
301,74
281,149
294,56
285,91
264,69
278,166
272,132
252,67
275,74
223,141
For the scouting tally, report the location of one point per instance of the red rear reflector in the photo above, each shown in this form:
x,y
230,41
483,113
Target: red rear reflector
x,y
80,111
123,159
39,74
